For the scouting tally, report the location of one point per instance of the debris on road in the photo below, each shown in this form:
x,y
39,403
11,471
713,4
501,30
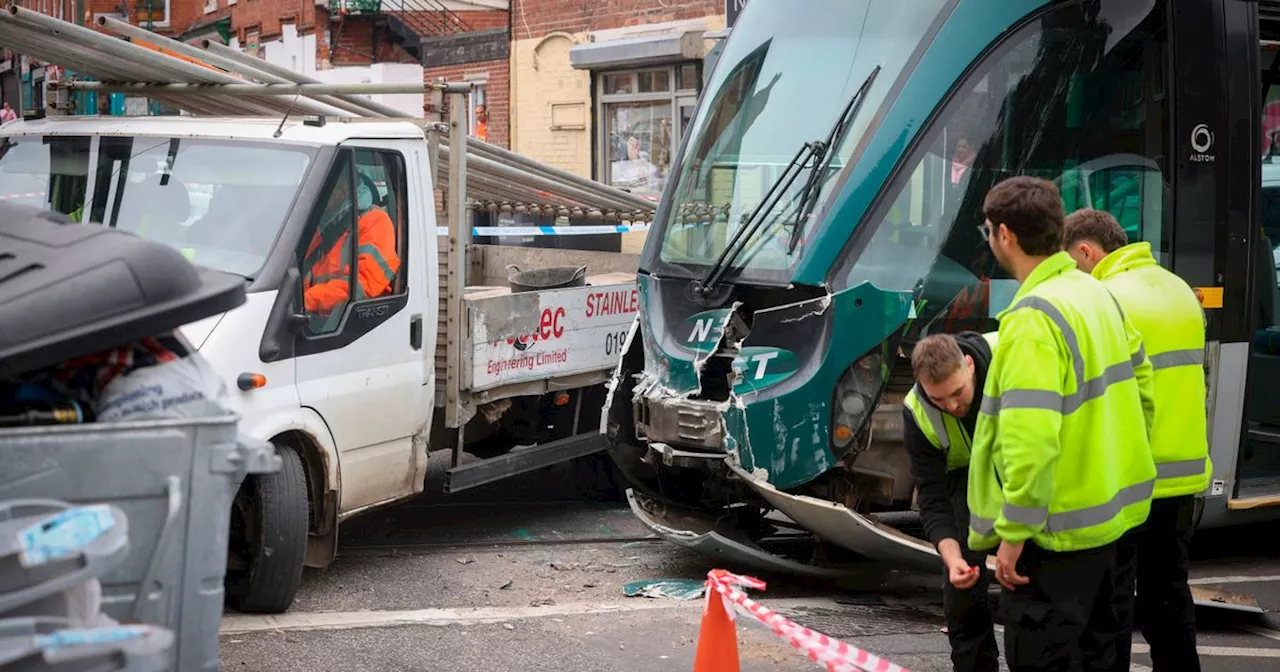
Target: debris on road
x,y
506,585
564,566
464,561
680,589
508,626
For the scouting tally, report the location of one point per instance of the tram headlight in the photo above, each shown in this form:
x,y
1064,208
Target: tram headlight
x,y
854,400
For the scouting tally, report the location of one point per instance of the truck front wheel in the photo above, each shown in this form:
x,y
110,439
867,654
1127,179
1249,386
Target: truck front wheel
x,y
268,538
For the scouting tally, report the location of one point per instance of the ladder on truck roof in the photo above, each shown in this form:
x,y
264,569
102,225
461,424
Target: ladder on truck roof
x,y
216,80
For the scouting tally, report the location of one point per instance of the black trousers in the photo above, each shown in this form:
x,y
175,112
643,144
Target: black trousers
x,y
1074,615
1166,610
969,625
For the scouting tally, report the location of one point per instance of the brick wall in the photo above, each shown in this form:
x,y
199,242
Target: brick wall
x,y
361,40
536,18
438,23
182,13
497,89
267,16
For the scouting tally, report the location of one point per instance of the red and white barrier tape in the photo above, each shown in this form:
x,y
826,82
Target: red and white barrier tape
x,y
835,655
30,195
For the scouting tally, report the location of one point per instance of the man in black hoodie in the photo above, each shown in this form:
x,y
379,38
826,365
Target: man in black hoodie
x,y
939,415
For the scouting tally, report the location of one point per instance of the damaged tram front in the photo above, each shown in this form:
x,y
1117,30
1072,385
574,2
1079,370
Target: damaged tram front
x,y
822,216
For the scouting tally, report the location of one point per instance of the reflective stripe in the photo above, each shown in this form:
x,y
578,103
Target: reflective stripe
x,y
1070,520
1180,468
1087,390
1167,360
1024,515
1097,515
935,418
374,252
321,279
1053,401
1068,334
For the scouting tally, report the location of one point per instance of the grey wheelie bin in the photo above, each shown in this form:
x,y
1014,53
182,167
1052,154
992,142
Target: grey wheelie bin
x,y
67,291
52,555
35,644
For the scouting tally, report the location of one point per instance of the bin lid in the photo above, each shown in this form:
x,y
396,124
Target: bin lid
x,y
69,290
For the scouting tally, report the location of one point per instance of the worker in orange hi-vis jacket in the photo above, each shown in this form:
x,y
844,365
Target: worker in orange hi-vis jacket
x,y
326,284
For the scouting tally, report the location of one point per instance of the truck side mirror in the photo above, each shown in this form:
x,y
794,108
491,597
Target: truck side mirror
x,y
283,323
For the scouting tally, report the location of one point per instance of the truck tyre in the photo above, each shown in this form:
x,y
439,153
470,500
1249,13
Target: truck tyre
x,y
269,534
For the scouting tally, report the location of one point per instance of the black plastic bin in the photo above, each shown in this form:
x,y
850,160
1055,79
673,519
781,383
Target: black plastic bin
x,y
69,290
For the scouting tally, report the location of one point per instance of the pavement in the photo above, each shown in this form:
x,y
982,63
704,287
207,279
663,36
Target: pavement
x,y
528,574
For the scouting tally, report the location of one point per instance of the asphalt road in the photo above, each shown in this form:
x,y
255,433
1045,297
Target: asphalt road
x,y
529,575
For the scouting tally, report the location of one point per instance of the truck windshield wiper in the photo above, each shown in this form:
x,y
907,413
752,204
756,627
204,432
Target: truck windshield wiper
x,y
809,195
815,150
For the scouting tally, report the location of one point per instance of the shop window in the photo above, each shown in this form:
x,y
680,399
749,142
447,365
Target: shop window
x,y
643,114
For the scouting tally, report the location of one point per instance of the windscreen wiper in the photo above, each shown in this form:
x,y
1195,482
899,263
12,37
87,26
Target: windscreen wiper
x,y
816,150
809,195
740,237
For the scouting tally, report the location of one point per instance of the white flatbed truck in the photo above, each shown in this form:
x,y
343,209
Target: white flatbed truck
x,y
356,397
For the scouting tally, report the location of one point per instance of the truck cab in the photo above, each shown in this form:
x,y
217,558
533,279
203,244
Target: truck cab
x,y
344,389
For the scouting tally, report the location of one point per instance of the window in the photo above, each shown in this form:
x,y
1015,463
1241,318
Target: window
x,y
151,13
365,193
477,103
1076,96
784,80
221,203
644,112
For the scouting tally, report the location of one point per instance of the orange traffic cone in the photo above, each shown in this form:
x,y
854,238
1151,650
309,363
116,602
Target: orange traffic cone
x,y
717,640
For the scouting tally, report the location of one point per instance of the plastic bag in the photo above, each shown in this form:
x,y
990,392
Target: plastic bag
x,y
181,388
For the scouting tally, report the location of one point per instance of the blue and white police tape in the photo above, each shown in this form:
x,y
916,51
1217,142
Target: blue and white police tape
x,y
547,230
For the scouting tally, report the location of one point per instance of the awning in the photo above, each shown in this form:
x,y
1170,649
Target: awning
x,y
638,51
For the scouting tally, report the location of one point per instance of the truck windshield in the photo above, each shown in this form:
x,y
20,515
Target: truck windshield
x,y
782,80
221,203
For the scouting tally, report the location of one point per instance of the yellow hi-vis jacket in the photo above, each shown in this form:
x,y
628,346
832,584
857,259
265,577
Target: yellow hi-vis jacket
x,y
1060,453
944,430
1167,315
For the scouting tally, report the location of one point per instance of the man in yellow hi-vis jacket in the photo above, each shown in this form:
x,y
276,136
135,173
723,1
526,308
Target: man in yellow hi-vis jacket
x,y
1061,466
1166,313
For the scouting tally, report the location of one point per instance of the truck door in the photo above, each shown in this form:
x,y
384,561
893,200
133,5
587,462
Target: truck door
x,y
359,357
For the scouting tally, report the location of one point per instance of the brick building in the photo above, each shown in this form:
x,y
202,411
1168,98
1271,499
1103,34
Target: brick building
x,y
604,88
21,79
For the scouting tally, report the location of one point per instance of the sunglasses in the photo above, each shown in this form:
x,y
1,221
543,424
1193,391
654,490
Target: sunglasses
x,y
985,231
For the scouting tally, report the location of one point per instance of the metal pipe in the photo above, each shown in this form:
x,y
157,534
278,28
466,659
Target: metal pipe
x,y
529,178
74,57
507,156
288,75
481,186
146,58
219,89
134,33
